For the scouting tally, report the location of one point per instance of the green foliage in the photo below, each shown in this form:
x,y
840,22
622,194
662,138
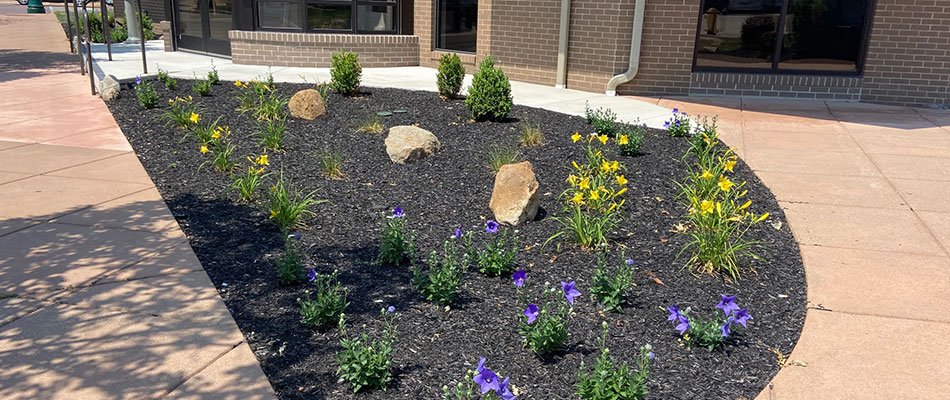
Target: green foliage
x,y
440,283
345,73
202,87
117,28
363,362
609,284
372,124
630,139
331,165
271,134
146,95
251,94
271,106
547,334
213,77
489,97
246,184
603,120
450,76
678,125
169,82
465,389
502,155
290,263
612,380
531,135
498,255
222,155
325,302
216,140
288,207
396,241
181,112
324,89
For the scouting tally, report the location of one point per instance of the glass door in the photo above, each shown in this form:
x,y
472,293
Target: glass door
x,y
203,25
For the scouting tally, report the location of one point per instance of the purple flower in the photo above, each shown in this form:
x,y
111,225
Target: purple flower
x,y
504,391
311,275
570,292
398,213
519,276
295,236
486,378
532,313
138,80
742,317
726,328
676,111
491,226
629,262
458,233
651,355
682,324
666,124
728,304
674,312
390,309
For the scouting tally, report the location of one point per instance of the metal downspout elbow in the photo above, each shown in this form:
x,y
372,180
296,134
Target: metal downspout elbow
x,y
635,41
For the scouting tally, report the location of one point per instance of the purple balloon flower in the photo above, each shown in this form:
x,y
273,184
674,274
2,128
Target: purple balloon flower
x,y
398,213
519,276
651,355
458,233
728,305
311,275
491,226
138,80
570,291
742,317
683,324
674,312
295,236
629,262
666,124
390,309
676,111
486,379
726,328
504,391
532,313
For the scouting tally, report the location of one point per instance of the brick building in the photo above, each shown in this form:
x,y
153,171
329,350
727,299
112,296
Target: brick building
x,y
885,51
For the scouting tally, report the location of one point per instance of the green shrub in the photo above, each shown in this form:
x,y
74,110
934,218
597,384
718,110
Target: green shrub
x,y
498,256
630,140
169,82
440,283
610,284
610,380
364,362
213,77
145,94
345,73
489,97
451,74
396,242
325,303
544,327
202,87
117,30
603,120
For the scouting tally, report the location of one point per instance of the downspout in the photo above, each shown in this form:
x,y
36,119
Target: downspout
x,y
562,45
635,41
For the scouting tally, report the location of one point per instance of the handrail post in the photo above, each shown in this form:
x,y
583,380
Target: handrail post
x,y
106,29
69,28
142,26
82,61
92,74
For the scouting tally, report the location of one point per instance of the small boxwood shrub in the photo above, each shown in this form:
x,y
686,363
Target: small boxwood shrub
x,y
489,98
451,74
345,72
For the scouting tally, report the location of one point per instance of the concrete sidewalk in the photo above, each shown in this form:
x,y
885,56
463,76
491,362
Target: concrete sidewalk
x,y
101,297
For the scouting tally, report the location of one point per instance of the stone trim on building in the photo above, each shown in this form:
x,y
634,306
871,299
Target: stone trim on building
x,y
315,49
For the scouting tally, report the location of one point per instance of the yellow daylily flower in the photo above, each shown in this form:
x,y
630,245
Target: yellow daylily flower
x,y
273,213
575,137
706,175
762,217
572,179
719,207
707,206
194,118
238,83
605,166
745,205
623,140
577,167
620,192
578,198
621,180
594,195
216,135
603,139
190,98
614,166
204,150
729,165
613,206
262,160
725,184
584,183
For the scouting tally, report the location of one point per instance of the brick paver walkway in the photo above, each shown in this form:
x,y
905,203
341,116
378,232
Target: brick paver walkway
x,y
866,190
101,297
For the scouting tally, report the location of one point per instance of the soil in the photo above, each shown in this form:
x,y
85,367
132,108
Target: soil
x,y
237,246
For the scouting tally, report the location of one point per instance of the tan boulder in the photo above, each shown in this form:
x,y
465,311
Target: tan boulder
x,y
307,104
514,199
406,143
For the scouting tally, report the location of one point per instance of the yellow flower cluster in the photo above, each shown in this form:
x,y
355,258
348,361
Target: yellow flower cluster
x,y
258,164
179,99
598,184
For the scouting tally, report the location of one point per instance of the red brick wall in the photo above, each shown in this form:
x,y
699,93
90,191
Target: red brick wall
x,y
315,50
908,59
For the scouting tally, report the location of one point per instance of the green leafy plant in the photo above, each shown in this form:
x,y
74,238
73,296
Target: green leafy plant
x,y
271,133
213,77
609,284
331,165
396,241
202,87
609,379
325,302
167,80
710,332
440,283
271,106
502,155
204,134
630,139
246,184
531,135
678,125
345,73
182,112
498,255
290,263
489,97
363,362
251,94
288,207
450,76
216,140
145,93
603,120
372,124
544,328
324,89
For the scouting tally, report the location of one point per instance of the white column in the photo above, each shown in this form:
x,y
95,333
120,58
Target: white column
x,y
133,23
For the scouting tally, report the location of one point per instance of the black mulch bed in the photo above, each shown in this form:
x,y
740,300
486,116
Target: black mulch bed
x,y
237,246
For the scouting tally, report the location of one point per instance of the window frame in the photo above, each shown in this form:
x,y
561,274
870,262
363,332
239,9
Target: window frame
x,y
354,17
436,20
777,48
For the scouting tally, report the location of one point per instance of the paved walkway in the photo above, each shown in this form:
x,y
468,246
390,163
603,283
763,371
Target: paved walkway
x,y
101,297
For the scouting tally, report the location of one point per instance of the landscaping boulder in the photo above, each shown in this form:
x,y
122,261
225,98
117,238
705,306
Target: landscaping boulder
x,y
109,88
407,143
514,199
307,104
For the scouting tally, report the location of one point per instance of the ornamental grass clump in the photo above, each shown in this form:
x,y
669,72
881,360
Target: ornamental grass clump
x,y
247,183
593,204
331,165
489,97
440,282
396,241
610,284
709,333
531,135
482,381
502,155
290,263
325,300
288,207
450,76
718,214
182,112
145,93
630,139
497,256
544,328
372,124
270,132
363,362
609,379
678,125
345,73
603,120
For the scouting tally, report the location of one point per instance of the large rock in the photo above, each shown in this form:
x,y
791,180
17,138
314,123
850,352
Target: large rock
x,y
109,88
514,199
307,104
407,143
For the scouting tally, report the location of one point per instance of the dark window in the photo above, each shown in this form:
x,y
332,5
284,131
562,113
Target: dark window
x,y
456,22
347,16
816,35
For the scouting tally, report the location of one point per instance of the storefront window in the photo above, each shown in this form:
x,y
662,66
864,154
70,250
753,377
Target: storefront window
x,y
278,14
816,35
456,22
355,16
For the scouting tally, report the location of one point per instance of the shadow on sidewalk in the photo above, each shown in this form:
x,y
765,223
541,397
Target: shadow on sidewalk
x,y
20,64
